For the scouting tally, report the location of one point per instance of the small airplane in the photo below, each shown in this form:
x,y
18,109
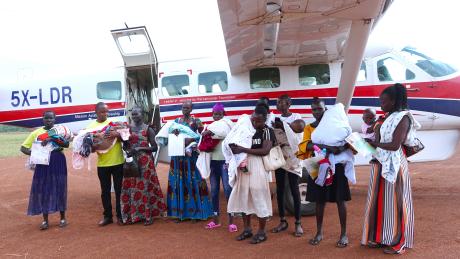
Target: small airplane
x,y
303,48
298,47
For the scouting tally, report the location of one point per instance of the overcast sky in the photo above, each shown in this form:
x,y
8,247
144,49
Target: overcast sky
x,y
48,38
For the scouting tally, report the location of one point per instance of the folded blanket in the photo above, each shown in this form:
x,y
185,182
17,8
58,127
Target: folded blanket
x,y
289,142
241,134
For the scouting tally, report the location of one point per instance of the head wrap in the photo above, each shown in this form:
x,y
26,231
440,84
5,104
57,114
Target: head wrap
x,y
218,107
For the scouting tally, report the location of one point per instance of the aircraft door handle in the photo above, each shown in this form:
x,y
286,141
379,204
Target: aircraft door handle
x,y
413,89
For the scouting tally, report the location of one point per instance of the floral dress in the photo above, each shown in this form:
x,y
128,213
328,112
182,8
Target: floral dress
x,y
188,196
141,197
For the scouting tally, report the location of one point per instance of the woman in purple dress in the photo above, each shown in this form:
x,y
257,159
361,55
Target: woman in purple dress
x,y
48,193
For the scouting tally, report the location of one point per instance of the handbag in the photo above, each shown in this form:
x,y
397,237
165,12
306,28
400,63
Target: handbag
x,y
274,159
131,168
412,150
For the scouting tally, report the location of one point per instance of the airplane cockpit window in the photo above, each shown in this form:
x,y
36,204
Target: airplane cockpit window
x,y
433,67
175,85
110,90
212,82
316,74
267,77
388,69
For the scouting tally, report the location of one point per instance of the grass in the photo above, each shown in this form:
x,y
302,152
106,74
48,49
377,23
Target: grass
x,y
10,143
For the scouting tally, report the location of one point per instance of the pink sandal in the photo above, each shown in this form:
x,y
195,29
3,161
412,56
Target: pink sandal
x,y
232,228
212,225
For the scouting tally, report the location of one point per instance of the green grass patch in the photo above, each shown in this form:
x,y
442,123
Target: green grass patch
x,y
7,128
10,143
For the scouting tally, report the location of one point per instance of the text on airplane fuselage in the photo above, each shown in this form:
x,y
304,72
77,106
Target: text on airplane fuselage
x,y
44,96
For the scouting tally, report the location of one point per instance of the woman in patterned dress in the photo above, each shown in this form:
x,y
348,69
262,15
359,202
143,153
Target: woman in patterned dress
x,y
187,196
389,214
141,197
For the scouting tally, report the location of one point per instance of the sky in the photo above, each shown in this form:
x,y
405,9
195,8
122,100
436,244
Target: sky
x,y
48,38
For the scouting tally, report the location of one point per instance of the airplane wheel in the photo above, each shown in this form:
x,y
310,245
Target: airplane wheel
x,y
306,208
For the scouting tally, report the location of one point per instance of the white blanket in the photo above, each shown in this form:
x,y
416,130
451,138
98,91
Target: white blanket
x,y
391,160
241,134
220,129
333,129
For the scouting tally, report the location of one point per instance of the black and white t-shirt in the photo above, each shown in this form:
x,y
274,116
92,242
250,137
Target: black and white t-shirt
x,y
265,134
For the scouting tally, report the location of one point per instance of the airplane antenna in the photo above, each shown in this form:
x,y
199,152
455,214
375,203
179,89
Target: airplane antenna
x,y
127,27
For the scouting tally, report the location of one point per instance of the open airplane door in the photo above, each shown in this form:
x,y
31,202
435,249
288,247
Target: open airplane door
x,y
141,66
135,46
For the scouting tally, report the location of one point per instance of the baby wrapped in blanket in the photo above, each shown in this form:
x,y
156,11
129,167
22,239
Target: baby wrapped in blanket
x,y
241,135
289,138
94,139
333,129
172,127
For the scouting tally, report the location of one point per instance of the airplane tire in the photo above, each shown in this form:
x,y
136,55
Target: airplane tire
x,y
306,208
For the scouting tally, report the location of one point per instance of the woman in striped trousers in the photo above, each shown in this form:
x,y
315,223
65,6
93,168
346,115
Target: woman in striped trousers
x,y
389,215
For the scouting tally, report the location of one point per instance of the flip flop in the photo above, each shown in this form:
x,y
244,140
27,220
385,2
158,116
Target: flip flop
x,y
232,228
246,234
342,243
280,228
259,238
315,241
212,225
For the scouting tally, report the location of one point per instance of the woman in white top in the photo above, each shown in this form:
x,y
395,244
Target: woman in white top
x,y
389,214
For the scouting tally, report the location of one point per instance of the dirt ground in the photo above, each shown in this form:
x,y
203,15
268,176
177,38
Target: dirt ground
x,y
436,192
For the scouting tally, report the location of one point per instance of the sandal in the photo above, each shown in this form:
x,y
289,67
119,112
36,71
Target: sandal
x,y
390,250
371,244
245,235
343,242
259,238
148,222
298,226
62,223
281,227
212,225
232,228
316,240
44,225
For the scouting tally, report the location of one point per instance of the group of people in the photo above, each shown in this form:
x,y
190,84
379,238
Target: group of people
x,y
237,160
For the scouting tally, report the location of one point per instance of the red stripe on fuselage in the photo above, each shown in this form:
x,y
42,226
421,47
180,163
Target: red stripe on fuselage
x,y
6,116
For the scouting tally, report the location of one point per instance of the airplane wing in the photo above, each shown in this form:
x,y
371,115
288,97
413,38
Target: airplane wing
x,y
262,33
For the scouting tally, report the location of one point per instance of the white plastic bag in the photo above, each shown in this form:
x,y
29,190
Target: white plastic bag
x,y
203,163
40,155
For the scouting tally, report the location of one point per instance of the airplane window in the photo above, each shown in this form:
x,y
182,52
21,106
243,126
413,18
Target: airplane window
x,y
388,69
212,82
110,90
433,67
175,85
316,74
134,44
362,73
267,77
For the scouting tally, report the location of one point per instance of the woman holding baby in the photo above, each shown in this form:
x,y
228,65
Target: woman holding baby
x,y
187,195
141,197
338,191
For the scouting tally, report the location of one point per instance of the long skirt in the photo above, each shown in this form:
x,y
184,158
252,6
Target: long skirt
x,y
389,215
251,192
187,196
141,197
48,193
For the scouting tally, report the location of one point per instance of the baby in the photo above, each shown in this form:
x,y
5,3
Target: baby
x,y
297,126
367,128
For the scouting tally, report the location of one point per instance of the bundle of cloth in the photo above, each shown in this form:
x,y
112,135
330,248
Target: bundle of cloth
x,y
169,128
289,139
219,129
241,135
333,129
85,140
60,135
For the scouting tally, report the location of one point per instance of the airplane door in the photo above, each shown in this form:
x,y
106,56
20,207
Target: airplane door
x,y
390,69
135,46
